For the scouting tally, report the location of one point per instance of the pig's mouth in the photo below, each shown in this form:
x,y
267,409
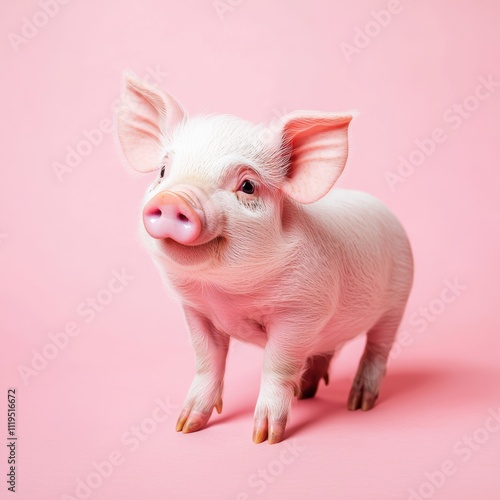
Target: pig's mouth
x,y
192,255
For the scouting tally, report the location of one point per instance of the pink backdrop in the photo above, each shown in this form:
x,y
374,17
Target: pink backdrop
x,y
99,353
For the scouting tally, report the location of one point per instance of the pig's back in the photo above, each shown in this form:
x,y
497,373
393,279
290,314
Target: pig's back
x,y
346,209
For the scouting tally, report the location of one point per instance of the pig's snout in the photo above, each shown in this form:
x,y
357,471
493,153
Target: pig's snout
x,y
170,215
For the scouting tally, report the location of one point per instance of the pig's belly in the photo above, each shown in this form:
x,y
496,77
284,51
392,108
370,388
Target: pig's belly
x,y
332,337
241,328
245,322
340,329
249,331
249,327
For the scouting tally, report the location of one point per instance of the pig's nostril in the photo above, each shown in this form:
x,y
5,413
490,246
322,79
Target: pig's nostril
x,y
182,217
155,214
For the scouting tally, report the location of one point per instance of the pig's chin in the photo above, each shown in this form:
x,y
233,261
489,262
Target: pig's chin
x,y
190,256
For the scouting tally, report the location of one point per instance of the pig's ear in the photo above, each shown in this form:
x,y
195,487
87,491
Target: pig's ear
x,y
145,118
318,153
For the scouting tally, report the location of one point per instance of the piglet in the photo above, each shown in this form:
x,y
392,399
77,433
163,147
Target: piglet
x,y
242,223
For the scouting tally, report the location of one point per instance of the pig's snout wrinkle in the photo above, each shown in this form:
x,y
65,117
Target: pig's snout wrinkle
x,y
171,215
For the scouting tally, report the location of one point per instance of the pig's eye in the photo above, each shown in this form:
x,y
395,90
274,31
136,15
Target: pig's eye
x,y
248,187
162,172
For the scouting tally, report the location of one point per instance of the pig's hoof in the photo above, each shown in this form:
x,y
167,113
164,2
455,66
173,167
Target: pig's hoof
x,y
359,397
274,431
192,420
366,385
316,369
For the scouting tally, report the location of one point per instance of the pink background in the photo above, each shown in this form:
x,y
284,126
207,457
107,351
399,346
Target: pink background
x,y
60,241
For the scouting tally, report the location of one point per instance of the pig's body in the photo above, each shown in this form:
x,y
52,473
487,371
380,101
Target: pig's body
x,y
242,224
341,241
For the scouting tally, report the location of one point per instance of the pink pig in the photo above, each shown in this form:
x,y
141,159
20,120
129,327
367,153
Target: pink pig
x,y
242,223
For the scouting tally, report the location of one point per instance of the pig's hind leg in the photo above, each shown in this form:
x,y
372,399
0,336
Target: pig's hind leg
x,y
379,339
316,368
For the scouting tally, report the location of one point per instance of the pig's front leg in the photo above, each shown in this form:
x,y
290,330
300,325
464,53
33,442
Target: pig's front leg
x,y
205,392
280,382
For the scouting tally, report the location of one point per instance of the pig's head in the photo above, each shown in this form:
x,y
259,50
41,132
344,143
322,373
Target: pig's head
x,y
218,204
